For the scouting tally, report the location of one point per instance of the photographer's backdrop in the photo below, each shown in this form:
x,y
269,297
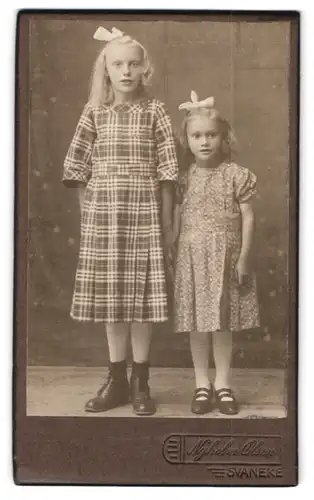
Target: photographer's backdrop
x,y
244,65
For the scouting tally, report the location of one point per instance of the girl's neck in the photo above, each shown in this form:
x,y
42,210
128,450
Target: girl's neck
x,y
210,164
122,97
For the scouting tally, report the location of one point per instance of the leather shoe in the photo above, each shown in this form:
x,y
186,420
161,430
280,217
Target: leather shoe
x,y
226,401
202,400
113,393
142,402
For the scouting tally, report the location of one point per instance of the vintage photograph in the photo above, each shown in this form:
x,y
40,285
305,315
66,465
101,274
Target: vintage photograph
x,y
159,166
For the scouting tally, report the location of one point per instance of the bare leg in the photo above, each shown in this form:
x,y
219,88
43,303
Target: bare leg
x,y
117,336
141,334
199,342
222,352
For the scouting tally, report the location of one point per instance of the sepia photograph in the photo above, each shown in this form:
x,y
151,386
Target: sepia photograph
x,y
160,218
168,257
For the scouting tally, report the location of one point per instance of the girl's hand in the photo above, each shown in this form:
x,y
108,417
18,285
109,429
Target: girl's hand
x,y
242,271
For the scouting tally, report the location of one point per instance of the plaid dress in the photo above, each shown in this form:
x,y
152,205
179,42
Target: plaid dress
x,y
121,153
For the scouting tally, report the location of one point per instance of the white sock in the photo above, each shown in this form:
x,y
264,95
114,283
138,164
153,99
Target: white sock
x,y
117,336
141,334
222,352
199,343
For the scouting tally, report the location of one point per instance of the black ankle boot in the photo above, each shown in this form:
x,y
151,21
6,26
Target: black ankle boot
x,y
140,394
115,391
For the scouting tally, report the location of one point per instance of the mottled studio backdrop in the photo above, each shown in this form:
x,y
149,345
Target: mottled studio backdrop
x,y
245,66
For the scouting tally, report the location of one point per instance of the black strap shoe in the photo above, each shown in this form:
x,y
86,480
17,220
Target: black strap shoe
x,y
114,392
202,401
226,402
142,402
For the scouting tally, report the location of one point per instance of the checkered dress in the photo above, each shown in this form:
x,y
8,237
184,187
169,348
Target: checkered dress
x,y
121,153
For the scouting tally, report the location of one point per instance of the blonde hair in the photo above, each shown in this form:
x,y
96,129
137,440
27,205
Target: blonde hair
x,y
226,132
101,91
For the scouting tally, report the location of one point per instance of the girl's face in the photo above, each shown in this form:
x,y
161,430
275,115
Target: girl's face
x,y
204,138
125,67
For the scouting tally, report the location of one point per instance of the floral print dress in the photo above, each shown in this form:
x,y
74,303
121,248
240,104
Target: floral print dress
x,y
207,295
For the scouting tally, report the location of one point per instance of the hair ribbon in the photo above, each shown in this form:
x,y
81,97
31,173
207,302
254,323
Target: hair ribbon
x,y
195,103
104,35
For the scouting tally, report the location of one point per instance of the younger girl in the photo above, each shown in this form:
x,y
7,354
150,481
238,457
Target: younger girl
x,y
214,286
123,160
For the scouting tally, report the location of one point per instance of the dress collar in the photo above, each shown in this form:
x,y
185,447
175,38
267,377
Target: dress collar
x,y
137,104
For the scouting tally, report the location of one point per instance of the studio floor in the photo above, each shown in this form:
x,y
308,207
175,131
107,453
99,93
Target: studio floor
x,y
63,391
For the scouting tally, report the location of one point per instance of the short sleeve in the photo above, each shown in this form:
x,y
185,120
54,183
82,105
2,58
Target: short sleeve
x,y
167,168
245,184
78,165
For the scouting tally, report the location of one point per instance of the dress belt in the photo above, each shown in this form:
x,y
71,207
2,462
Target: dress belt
x,y
142,171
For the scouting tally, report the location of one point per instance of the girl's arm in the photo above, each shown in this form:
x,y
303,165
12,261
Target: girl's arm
x,y
166,191
167,170
81,194
243,264
247,229
77,167
176,221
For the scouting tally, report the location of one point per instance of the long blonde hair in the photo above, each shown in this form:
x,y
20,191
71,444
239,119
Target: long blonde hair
x,y
101,91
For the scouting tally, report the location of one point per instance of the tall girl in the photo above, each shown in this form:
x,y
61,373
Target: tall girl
x,y
123,160
214,285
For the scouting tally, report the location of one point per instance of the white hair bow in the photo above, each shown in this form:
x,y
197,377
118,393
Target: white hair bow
x,y
195,103
107,36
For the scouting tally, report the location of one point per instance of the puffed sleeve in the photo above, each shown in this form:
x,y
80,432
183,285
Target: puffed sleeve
x,y
78,165
167,168
245,184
